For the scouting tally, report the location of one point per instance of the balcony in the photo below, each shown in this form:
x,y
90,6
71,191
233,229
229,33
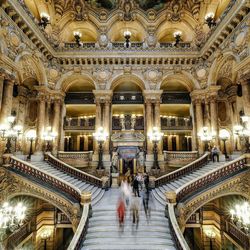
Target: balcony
x,y
80,98
127,98
79,123
175,98
176,123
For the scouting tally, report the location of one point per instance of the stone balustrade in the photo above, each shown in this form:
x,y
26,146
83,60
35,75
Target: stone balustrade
x,y
180,155
182,171
46,178
180,242
76,242
79,123
62,166
212,177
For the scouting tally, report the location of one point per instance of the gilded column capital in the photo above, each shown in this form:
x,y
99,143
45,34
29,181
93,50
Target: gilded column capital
x,y
103,96
152,95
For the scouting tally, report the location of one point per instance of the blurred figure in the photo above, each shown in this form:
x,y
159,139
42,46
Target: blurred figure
x,y
126,191
134,208
136,186
121,210
146,206
146,182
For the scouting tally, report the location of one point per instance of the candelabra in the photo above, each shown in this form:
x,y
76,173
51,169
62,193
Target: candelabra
x,y
177,36
31,136
44,20
48,137
209,19
78,36
224,135
9,131
155,136
127,35
243,132
206,137
211,235
100,136
45,235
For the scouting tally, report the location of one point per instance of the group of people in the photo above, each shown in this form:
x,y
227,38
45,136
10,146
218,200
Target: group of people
x,y
134,194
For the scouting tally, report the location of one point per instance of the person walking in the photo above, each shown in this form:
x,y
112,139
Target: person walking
x,y
136,186
146,182
121,210
134,208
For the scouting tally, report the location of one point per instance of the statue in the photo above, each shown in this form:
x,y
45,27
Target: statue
x,y
127,6
114,162
80,10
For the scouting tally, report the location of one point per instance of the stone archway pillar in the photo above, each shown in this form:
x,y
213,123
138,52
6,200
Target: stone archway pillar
x,y
7,99
40,124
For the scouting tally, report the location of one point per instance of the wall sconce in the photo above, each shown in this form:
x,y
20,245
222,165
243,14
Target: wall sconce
x,y
44,20
209,20
77,36
127,35
177,36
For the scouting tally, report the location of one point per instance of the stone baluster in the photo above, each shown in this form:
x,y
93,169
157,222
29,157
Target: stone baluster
x,y
40,124
7,99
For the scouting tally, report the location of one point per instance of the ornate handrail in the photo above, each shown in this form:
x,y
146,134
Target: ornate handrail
x,y
211,177
60,165
182,171
33,171
175,230
169,155
81,231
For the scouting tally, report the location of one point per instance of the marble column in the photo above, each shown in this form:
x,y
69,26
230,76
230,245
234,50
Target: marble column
x,y
7,100
107,115
1,89
40,124
194,130
246,96
149,125
62,132
199,122
214,118
157,115
56,124
86,143
48,110
98,122
207,114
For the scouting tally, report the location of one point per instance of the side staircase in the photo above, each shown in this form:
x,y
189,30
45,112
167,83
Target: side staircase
x,y
49,168
159,192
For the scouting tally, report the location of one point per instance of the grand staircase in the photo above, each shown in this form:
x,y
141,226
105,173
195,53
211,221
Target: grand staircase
x,y
96,192
104,232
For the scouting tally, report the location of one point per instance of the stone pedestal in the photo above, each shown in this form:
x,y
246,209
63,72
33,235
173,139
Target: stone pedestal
x,y
115,177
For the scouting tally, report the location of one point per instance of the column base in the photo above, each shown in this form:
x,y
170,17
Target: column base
x,y
106,161
150,161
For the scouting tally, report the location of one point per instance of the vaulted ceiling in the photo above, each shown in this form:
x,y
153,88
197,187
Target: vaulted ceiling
x,y
92,17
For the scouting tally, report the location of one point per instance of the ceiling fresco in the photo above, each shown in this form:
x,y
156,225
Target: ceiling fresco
x,y
143,4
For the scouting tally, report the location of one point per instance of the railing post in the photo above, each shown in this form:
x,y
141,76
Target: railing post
x,y
170,196
86,198
7,160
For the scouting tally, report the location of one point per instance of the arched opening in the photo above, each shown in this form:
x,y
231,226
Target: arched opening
x,y
213,226
79,121
42,227
176,122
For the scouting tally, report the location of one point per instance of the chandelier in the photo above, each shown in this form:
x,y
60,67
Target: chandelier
x,y
240,216
11,217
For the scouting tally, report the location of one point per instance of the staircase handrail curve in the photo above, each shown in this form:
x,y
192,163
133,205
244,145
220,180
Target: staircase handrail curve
x,y
182,171
175,230
79,174
211,176
81,230
32,170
